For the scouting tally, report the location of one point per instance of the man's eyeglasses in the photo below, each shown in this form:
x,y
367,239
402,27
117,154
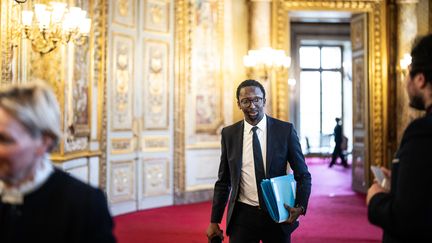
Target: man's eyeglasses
x,y
257,101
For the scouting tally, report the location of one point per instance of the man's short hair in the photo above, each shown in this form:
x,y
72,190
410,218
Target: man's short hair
x,y
421,55
248,83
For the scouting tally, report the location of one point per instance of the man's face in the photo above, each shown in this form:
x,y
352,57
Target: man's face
x,y
251,101
415,96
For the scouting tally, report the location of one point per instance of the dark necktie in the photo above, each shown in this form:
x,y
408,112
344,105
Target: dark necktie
x,y
259,164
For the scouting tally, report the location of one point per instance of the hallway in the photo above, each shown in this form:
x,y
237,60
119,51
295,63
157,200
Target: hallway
x,y
335,215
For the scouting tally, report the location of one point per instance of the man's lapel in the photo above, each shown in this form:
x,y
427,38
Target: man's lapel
x,y
269,147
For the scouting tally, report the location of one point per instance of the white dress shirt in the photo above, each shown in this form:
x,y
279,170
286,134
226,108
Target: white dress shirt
x,y
248,186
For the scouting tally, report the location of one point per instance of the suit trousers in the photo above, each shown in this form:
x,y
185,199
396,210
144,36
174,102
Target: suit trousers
x,y
250,224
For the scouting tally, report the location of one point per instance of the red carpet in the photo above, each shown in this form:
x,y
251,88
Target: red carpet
x,y
335,214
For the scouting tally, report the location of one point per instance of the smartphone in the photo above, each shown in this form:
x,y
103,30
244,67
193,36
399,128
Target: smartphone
x,y
379,175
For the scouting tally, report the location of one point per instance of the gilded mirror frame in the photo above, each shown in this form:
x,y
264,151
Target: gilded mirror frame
x,y
377,59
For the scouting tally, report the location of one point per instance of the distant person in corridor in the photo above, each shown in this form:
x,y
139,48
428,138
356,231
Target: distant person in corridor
x,y
255,148
405,212
338,138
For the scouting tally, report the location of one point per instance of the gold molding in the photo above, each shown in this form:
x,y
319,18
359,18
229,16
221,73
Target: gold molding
x,y
377,57
59,159
182,69
100,31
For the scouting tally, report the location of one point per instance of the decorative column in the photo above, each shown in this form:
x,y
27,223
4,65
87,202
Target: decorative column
x,y
407,30
260,18
260,29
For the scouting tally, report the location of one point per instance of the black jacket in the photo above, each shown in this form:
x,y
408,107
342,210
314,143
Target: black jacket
x,y
283,147
405,214
63,209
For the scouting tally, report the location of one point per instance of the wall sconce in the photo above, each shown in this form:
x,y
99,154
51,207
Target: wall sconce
x,y
404,62
266,60
53,24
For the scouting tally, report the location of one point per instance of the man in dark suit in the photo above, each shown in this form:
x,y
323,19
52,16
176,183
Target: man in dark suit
x,y
253,149
337,152
405,212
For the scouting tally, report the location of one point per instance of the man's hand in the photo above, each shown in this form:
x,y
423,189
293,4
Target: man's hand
x,y
374,189
386,172
294,214
214,230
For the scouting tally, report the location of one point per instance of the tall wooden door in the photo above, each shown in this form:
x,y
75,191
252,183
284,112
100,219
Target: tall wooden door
x,y
360,152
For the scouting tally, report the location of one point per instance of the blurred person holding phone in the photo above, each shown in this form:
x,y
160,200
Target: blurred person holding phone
x,y
405,211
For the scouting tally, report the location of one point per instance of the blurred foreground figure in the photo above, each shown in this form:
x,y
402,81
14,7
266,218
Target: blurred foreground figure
x,y
39,203
405,212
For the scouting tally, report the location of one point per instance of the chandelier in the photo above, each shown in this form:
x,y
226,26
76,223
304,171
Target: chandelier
x,y
267,59
50,25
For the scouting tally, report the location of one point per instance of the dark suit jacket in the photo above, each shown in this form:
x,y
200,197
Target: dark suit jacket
x,y
338,134
282,147
63,209
405,214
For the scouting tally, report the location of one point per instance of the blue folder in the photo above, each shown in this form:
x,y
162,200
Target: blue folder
x,y
276,192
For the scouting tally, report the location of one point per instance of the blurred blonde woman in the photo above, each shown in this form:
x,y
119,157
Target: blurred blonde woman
x,y
39,203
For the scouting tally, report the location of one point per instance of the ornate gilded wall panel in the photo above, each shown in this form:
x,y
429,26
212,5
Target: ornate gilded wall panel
x,y
7,10
360,158
69,69
122,146
124,12
80,112
206,72
359,71
155,144
156,177
157,16
122,81
378,57
122,181
156,85
199,90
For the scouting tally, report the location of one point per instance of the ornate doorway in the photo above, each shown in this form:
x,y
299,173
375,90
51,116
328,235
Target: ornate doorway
x,y
374,83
